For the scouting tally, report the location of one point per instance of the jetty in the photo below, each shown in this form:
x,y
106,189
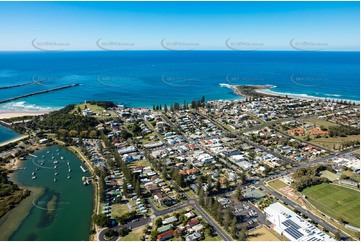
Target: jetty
x,y
82,168
20,85
37,93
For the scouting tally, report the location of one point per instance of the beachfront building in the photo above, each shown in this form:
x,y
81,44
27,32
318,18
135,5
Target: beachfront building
x,y
295,228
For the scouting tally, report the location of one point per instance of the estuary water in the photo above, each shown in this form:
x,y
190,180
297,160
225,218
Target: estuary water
x,y
63,211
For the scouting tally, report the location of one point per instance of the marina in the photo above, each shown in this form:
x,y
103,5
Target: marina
x,y
68,189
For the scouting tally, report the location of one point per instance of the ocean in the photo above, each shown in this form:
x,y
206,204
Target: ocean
x,y
144,78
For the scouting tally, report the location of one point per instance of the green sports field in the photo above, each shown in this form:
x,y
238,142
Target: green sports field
x,y
336,202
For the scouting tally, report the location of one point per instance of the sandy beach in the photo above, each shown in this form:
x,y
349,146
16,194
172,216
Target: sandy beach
x,y
268,91
14,140
4,115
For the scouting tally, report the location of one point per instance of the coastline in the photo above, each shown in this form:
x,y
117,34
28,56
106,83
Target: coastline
x,y
96,202
265,90
11,221
14,140
6,115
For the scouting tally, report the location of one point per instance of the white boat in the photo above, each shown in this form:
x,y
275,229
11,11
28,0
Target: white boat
x,y
33,173
62,158
57,150
55,179
33,177
42,163
68,177
53,158
56,162
69,170
58,154
37,168
48,152
56,174
42,156
55,167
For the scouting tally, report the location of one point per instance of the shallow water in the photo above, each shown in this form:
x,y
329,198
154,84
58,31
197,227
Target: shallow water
x,y
63,211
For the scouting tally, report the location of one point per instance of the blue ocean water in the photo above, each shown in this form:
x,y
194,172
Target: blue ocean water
x,y
144,78
7,134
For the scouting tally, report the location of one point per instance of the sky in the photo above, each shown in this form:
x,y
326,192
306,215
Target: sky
x,y
56,26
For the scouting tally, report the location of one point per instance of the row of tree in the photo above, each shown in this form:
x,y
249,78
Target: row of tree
x,y
342,131
225,217
177,106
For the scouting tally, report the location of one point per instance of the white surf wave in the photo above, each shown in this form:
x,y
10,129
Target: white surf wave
x,y
22,106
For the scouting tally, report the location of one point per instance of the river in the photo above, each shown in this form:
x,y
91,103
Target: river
x,y
62,211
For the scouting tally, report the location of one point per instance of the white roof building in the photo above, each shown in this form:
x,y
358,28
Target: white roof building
x,y
292,226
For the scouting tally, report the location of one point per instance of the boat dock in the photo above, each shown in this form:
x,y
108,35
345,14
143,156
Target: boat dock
x,y
37,93
82,168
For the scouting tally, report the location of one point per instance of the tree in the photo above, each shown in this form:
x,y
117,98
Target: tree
x,y
154,234
234,228
93,134
218,186
125,187
243,233
123,232
111,233
165,108
226,183
158,222
238,193
137,188
73,133
101,220
338,235
201,197
124,134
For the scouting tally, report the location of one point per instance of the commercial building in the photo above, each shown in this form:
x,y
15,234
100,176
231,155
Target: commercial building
x,y
295,228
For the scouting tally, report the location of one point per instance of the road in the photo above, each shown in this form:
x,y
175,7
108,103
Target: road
x,y
205,216
141,222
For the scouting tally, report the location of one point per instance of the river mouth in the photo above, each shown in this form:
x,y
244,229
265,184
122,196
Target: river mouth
x,y
59,201
7,134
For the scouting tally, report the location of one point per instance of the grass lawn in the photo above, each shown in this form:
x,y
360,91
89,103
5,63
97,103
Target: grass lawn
x,y
351,174
211,238
138,163
320,122
96,110
119,209
277,184
135,235
189,192
263,234
336,201
330,175
328,143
